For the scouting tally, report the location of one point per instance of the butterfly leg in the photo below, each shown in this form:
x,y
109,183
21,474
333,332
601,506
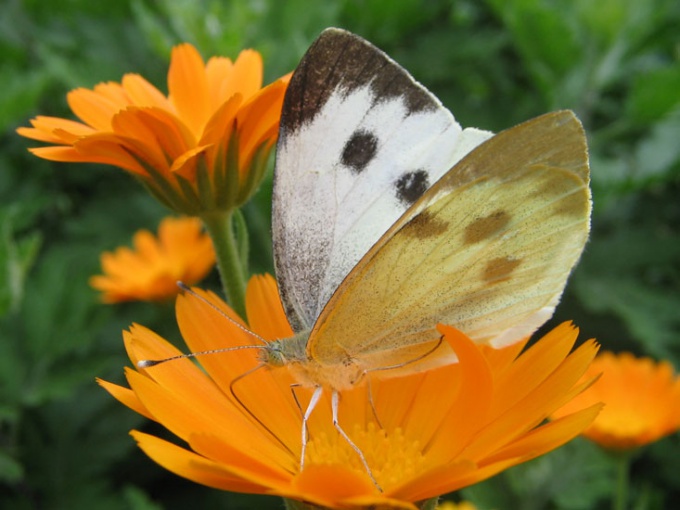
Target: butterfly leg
x,y
369,389
335,400
232,390
295,398
297,402
310,407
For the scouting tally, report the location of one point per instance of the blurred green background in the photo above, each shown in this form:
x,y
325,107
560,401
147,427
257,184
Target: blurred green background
x,y
64,442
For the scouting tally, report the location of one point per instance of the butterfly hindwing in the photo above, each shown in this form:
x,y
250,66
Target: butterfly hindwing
x,y
360,142
487,249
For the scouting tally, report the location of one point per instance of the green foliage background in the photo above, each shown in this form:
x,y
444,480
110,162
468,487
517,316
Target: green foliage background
x,y
64,441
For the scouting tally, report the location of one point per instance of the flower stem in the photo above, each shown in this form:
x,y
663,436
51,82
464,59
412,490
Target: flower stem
x,y
233,273
620,501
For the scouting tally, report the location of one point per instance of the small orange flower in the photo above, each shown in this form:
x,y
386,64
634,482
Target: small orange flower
x,y
204,147
439,430
150,272
641,401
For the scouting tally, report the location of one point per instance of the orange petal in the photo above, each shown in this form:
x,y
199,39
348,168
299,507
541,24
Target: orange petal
x,y
254,468
245,77
536,406
333,483
475,392
266,316
112,92
187,401
548,436
218,129
381,502
435,482
51,129
217,70
92,108
111,150
188,87
205,329
191,466
258,117
533,366
126,397
142,93
169,132
188,163
132,128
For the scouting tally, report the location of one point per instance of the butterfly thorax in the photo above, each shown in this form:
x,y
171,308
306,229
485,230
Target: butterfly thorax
x,y
292,353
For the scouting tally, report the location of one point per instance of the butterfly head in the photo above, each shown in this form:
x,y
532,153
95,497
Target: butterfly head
x,y
285,351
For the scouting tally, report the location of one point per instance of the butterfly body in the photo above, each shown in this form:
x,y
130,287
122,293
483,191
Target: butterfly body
x,y
292,353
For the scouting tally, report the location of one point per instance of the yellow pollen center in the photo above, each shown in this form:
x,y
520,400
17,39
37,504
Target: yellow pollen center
x,y
391,456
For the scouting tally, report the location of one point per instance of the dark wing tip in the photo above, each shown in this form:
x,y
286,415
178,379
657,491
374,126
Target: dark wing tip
x,y
339,59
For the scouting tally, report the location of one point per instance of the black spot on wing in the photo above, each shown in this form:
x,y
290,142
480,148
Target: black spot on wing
x,y
359,150
411,185
341,60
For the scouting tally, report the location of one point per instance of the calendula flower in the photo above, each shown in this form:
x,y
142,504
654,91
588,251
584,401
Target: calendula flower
x,y
438,431
149,272
201,148
641,397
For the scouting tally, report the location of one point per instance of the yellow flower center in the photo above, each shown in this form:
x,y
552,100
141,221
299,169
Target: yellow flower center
x,y
391,456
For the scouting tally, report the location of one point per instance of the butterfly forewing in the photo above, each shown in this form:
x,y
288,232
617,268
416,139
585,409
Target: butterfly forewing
x,y
360,142
487,249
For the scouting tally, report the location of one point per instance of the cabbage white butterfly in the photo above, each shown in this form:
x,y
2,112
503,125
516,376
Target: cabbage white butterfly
x,y
389,218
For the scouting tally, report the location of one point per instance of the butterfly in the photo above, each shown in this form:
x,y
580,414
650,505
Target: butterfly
x,y
389,218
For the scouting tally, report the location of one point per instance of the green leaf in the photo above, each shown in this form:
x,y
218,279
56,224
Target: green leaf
x,y
550,481
654,94
17,256
11,471
630,274
658,153
137,499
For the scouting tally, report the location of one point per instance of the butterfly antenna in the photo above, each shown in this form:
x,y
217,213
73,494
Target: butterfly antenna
x,y
212,305
146,363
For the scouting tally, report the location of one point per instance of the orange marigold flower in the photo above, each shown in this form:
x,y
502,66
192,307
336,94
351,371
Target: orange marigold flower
x,y
439,431
150,272
641,401
203,147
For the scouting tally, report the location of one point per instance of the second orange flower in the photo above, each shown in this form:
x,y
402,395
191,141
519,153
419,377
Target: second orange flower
x,y
203,147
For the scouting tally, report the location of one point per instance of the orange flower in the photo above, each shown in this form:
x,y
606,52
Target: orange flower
x,y
441,430
150,272
641,397
203,147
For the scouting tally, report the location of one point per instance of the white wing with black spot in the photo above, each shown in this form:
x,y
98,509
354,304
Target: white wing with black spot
x,y
360,142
